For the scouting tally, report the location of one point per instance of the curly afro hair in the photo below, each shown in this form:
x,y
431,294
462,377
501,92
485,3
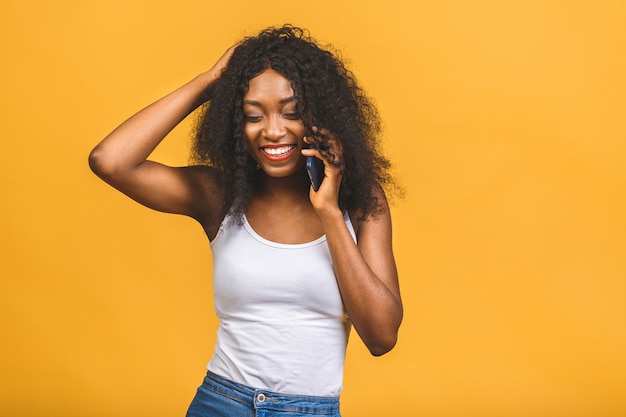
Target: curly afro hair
x,y
327,96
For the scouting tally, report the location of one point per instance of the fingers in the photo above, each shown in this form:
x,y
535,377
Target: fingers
x,y
327,147
223,61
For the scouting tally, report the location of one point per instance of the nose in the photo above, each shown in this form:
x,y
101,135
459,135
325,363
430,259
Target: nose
x,y
274,128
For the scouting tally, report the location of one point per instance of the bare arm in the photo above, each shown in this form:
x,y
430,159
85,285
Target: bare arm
x,y
120,159
367,278
366,272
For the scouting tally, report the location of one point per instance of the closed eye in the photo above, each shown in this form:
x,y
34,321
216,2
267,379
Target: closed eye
x,y
252,119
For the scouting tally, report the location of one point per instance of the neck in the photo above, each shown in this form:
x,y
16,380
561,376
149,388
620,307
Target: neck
x,y
293,187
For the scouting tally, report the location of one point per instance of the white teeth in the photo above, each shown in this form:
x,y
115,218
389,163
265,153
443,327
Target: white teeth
x,y
278,151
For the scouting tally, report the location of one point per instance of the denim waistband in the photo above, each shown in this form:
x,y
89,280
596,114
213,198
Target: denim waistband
x,y
268,400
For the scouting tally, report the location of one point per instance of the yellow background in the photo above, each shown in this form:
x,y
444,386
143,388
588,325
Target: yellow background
x,y
505,122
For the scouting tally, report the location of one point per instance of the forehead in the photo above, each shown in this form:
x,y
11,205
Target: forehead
x,y
268,85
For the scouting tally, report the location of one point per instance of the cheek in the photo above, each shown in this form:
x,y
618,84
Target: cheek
x,y
250,132
298,129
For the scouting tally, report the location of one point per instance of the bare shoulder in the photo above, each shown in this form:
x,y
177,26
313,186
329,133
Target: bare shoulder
x,y
379,216
374,240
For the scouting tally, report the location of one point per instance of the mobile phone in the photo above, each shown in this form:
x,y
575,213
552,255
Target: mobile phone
x,y
315,168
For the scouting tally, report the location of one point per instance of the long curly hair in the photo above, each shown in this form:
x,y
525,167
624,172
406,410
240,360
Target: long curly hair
x,y
327,96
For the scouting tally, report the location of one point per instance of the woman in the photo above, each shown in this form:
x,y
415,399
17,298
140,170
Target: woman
x,y
294,267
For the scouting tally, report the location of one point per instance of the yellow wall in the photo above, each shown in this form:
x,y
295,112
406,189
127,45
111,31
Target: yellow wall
x,y
505,121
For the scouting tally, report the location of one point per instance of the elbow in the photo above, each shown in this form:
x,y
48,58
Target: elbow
x,y
384,341
100,164
97,161
383,346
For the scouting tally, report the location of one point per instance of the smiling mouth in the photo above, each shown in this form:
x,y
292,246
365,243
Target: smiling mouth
x,y
277,152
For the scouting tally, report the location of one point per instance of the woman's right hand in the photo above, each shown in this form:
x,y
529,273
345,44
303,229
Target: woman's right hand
x,y
121,159
216,71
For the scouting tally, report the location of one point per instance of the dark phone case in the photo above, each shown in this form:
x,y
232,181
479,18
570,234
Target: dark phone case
x,y
315,168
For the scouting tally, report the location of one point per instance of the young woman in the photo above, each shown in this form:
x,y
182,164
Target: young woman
x,y
294,268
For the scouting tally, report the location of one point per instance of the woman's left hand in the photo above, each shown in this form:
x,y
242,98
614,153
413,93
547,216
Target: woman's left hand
x,y
326,198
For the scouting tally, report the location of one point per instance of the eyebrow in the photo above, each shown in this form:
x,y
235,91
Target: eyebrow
x,y
281,101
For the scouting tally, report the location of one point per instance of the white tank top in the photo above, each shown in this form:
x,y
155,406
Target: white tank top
x,y
283,326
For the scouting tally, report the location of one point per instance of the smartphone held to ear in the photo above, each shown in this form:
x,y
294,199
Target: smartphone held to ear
x,y
315,168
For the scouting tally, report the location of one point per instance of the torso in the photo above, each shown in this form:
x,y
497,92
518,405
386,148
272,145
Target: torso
x,y
293,223
278,304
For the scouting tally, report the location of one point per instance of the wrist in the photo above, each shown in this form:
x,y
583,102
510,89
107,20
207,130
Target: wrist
x,y
207,79
329,215
202,84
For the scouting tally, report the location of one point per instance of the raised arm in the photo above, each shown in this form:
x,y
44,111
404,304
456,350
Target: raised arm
x,y
367,277
366,271
120,159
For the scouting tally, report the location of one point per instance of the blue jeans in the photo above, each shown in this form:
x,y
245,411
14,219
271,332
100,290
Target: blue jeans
x,y
219,397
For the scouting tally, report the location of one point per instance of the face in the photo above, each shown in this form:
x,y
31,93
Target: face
x,y
272,127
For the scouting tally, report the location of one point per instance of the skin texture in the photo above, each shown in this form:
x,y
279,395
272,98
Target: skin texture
x,y
272,124
282,206
328,98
